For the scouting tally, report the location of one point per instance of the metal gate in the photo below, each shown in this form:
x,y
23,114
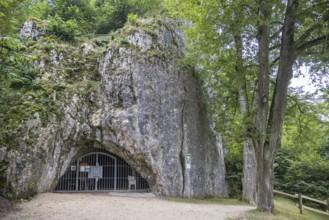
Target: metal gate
x,y
99,170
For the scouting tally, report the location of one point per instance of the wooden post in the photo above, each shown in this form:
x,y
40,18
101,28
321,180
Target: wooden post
x,y
328,205
300,202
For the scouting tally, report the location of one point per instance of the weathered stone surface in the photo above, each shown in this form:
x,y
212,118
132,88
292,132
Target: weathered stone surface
x,y
32,29
143,106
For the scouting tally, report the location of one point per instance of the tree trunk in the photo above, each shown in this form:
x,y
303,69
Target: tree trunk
x,y
267,148
260,108
249,192
265,184
249,189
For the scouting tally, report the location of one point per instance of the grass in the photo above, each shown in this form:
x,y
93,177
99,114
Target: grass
x,y
286,209
212,200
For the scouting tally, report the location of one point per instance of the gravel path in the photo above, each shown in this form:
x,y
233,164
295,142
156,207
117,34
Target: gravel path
x,y
104,206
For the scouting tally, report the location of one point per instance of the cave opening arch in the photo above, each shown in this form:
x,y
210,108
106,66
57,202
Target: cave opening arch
x,y
95,169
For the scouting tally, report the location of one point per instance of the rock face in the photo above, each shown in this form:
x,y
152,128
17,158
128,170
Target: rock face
x,y
135,100
32,29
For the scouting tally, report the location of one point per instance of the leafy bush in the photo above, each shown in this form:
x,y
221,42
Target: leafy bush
x,y
302,163
25,79
96,16
114,16
306,173
234,169
12,15
132,18
65,30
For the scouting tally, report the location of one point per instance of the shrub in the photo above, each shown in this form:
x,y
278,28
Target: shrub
x,y
65,30
306,173
132,18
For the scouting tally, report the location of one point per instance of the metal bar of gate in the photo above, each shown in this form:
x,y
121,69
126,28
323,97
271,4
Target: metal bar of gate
x,y
96,179
115,174
77,176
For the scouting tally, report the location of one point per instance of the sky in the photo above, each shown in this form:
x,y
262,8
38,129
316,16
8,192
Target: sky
x,y
303,80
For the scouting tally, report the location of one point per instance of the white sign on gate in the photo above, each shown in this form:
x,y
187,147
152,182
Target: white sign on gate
x,y
95,172
73,168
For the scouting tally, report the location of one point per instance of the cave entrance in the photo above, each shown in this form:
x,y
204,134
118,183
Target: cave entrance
x,y
100,170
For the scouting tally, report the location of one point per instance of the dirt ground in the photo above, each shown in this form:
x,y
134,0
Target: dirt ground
x,y
6,207
85,206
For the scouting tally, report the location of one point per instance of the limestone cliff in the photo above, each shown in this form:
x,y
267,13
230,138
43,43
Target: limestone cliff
x,y
130,96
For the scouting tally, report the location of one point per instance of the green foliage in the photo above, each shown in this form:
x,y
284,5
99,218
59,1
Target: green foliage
x,y
146,7
114,16
306,173
234,168
64,30
96,16
211,32
302,162
210,46
22,94
16,76
82,12
208,200
39,9
13,60
8,196
286,209
24,79
12,15
132,18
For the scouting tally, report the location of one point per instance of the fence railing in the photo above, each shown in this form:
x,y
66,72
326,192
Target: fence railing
x,y
300,204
